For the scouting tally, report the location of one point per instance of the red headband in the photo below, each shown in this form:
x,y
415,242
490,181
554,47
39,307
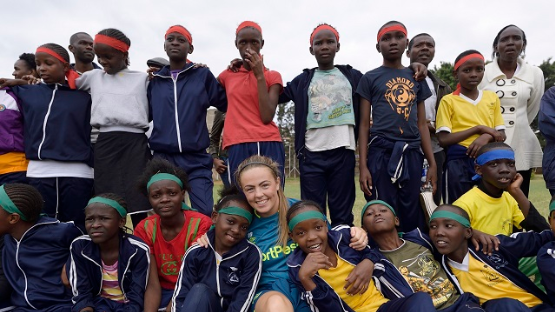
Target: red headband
x,y
248,24
395,27
466,58
180,30
112,42
71,75
323,27
51,52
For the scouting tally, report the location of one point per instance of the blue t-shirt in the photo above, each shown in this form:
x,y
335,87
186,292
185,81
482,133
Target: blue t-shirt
x,y
394,95
264,233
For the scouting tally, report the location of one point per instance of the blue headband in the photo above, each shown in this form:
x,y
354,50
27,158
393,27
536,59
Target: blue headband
x,y
493,155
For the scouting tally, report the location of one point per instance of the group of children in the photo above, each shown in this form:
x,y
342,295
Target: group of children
x,y
241,253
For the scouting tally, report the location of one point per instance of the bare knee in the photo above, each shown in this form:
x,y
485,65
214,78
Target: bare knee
x,y
273,301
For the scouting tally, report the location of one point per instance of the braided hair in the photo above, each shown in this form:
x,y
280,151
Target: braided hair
x,y
116,34
27,199
58,49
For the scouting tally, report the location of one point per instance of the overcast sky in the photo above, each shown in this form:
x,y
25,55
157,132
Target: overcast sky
x,y
286,25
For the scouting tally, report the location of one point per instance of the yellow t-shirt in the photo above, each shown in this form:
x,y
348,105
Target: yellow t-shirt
x,y
370,301
457,113
486,283
13,162
491,215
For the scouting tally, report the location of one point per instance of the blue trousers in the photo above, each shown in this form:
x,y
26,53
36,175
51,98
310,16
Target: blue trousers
x,y
330,174
238,152
198,167
201,298
467,302
14,177
458,173
65,198
403,198
513,305
417,302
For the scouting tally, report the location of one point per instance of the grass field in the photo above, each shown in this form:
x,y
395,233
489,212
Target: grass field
x,y
539,195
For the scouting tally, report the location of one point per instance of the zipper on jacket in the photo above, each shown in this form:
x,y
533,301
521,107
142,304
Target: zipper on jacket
x,y
46,121
100,267
178,130
123,275
17,261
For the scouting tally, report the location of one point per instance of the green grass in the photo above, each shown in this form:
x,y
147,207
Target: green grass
x,y
539,195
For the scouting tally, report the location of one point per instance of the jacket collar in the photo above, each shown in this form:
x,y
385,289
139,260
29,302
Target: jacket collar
x,y
495,72
435,80
165,71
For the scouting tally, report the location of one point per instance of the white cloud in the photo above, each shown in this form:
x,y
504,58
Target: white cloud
x,y
456,26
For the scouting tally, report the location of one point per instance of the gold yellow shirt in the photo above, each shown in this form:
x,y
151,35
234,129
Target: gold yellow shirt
x,y
457,113
13,162
370,301
489,214
486,283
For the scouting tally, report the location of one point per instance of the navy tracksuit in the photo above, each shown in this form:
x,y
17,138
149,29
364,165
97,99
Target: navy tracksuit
x,y
178,111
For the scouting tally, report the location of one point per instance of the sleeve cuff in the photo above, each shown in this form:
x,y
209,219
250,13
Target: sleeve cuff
x,y
443,129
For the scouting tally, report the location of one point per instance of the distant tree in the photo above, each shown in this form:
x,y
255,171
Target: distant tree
x,y
548,68
285,114
445,73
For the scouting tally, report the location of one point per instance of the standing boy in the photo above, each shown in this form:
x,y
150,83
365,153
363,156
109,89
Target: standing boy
x,y
326,125
390,168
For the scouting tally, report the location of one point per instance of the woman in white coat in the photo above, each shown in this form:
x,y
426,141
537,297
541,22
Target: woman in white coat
x,y
520,87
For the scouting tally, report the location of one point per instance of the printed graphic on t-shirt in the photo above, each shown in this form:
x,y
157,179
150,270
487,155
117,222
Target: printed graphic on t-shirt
x,y
422,273
330,96
170,265
400,95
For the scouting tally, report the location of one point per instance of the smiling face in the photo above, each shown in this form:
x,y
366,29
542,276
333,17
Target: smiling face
x,y
311,234
423,50
324,46
177,47
229,229
110,59
379,219
497,174
51,70
510,44
82,48
166,198
392,45
102,222
261,189
20,69
470,74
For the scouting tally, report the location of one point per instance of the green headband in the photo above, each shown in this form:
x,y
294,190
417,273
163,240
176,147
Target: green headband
x,y
236,211
375,202
163,176
303,216
8,204
450,215
109,202
552,207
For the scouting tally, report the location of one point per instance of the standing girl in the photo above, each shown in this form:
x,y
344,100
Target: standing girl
x,y
179,95
120,111
224,276
467,119
252,93
108,269
174,227
57,135
520,87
